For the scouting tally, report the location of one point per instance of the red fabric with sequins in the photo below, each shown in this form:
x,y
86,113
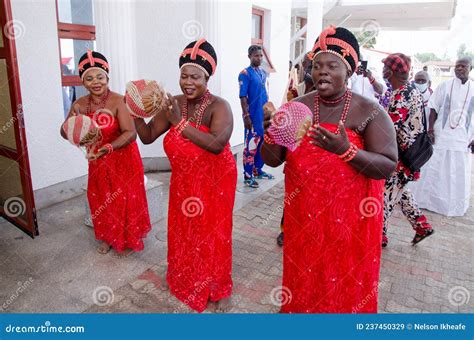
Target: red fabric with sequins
x,y
116,192
333,230
202,193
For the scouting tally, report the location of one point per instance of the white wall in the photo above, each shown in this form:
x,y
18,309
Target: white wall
x,y
162,34
235,36
52,159
158,32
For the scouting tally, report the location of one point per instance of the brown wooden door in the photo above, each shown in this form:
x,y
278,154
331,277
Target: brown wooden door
x,y
16,192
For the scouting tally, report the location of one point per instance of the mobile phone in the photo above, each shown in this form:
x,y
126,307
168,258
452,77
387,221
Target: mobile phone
x,y
363,65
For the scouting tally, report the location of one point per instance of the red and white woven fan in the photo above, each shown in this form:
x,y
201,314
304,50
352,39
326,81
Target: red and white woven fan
x,y
145,98
81,130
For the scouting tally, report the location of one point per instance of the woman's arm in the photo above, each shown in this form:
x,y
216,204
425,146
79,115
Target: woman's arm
x,y
157,126
380,157
127,128
220,130
273,155
378,160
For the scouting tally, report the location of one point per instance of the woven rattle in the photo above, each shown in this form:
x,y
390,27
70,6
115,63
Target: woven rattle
x,y
81,130
289,124
145,98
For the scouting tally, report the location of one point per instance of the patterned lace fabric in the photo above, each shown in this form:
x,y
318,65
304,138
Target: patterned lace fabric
x,y
406,111
202,193
333,230
116,193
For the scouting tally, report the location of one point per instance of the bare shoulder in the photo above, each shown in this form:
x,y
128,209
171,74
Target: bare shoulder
x,y
116,98
220,103
307,99
365,107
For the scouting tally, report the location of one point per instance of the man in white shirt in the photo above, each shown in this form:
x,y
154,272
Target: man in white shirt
x,y
445,183
365,83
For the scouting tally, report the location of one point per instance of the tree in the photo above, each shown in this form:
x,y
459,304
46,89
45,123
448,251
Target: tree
x,y
462,52
427,56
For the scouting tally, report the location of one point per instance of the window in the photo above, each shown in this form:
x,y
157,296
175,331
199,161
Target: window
x,y
258,37
76,34
257,26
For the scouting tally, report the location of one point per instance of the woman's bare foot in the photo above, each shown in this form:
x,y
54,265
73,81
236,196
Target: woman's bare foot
x,y
104,248
224,305
123,254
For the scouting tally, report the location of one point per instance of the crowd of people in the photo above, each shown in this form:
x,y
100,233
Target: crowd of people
x,y
369,139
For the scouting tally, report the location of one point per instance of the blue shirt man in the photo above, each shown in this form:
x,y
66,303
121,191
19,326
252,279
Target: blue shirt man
x,y
253,95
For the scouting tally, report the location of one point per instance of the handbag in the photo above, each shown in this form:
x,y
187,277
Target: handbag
x,y
417,154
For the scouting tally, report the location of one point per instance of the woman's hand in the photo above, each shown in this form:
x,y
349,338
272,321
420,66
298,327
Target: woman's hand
x,y
173,113
329,141
268,110
101,152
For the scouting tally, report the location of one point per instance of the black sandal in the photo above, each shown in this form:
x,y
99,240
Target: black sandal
x,y
419,238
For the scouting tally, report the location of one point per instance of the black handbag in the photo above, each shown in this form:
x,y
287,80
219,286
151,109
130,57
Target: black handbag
x,y
419,152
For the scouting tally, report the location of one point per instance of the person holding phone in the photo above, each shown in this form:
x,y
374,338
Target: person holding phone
x,y
365,83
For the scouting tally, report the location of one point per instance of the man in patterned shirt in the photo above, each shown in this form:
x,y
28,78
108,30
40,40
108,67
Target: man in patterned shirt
x,y
406,110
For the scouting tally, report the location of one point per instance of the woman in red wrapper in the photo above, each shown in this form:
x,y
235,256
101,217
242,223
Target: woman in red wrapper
x,y
334,185
115,188
203,182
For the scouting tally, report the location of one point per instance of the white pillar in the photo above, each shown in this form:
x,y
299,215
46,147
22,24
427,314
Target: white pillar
x,y
208,22
315,22
115,38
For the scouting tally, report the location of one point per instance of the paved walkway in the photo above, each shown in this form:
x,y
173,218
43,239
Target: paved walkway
x,y
435,276
61,272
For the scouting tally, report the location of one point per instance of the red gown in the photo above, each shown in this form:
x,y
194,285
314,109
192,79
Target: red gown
x,y
202,194
333,230
116,193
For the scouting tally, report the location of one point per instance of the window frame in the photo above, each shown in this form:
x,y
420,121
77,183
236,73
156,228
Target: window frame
x,y
261,14
259,42
72,31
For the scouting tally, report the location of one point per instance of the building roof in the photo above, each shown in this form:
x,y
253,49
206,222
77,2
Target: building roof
x,y
396,15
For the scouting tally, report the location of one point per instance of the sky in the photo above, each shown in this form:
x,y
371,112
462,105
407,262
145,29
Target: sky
x,y
438,42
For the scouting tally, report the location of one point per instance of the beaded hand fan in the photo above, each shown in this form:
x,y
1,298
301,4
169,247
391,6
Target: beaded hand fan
x,y
145,98
81,130
289,124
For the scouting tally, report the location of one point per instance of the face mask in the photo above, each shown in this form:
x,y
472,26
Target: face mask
x,y
421,87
